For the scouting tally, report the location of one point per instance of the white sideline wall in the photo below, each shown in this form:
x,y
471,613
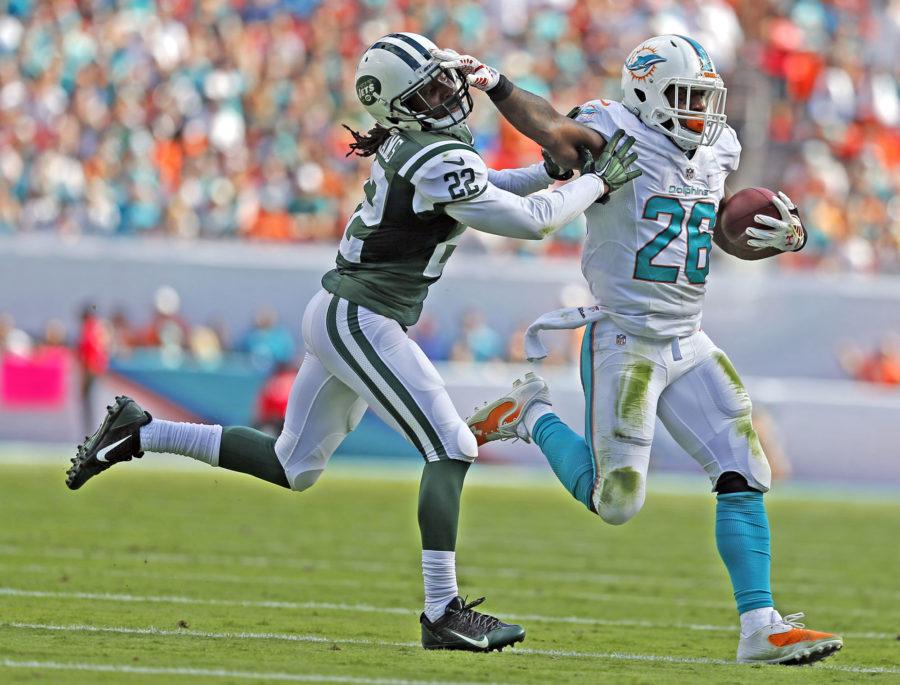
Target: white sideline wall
x,y
781,329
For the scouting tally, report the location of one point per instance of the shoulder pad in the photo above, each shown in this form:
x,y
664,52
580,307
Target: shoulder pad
x,y
397,150
451,174
434,154
605,116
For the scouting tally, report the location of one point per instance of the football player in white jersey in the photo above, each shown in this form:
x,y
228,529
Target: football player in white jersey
x,y
646,258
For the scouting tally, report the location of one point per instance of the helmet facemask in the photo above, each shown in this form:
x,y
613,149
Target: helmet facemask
x,y
695,114
671,83
437,102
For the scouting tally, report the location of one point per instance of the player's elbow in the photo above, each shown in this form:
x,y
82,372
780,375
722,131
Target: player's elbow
x,y
537,232
567,140
543,220
562,151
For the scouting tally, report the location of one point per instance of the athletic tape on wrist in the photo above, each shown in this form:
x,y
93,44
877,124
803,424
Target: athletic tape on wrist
x,y
502,90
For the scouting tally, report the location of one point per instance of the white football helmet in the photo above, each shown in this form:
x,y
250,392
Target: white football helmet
x,y
402,86
671,83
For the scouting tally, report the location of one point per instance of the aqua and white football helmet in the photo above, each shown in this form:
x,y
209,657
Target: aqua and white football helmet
x,y
671,83
402,86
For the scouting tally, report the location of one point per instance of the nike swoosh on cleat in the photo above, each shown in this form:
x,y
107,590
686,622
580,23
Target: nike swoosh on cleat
x,y
481,644
458,161
102,453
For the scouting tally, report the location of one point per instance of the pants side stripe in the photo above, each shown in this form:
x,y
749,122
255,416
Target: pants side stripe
x,y
365,361
344,352
587,384
393,382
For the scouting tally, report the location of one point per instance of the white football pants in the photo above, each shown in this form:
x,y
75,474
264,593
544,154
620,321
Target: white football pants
x,y
693,388
356,358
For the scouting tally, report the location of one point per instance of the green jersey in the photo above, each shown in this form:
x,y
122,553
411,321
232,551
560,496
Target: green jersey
x,y
399,238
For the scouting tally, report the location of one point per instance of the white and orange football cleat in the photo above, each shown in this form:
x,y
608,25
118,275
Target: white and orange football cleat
x,y
502,419
786,641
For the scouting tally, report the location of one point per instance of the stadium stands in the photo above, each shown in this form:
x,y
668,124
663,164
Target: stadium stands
x,y
221,119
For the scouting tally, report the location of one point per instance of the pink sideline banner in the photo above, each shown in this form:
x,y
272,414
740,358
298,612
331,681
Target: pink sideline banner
x,y
36,381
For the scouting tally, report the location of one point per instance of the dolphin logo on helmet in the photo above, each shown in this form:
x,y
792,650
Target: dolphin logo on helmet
x,y
671,84
643,66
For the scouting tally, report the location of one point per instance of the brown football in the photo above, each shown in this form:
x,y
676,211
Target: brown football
x,y
737,214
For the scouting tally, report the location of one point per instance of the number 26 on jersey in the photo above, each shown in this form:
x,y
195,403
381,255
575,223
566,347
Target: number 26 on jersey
x,y
699,242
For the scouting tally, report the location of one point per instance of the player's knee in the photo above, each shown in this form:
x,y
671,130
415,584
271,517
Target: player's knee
x,y
456,437
619,513
458,442
305,480
621,495
466,443
304,463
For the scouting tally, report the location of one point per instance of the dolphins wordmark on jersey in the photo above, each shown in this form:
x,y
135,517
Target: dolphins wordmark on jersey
x,y
646,256
398,240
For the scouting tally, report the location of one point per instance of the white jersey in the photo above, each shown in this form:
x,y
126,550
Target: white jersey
x,y
646,256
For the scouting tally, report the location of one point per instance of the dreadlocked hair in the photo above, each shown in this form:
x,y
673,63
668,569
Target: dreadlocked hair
x,y
367,144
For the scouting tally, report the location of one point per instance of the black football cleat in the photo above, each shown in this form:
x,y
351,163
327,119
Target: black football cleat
x,y
462,628
117,439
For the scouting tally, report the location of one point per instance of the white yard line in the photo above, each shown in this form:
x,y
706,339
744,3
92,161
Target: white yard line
x,y
186,632
381,583
620,656
213,673
615,656
262,561
368,608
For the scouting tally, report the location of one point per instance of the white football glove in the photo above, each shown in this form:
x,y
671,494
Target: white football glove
x,y
478,75
785,234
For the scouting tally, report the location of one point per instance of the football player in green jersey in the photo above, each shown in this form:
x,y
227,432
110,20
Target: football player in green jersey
x,y
427,184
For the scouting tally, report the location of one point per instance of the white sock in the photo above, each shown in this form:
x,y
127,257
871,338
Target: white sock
x,y
439,572
197,440
532,414
753,620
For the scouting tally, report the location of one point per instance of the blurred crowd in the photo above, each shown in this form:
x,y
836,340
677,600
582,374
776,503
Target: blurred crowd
x,y
268,350
221,119
165,339
270,346
103,336
267,344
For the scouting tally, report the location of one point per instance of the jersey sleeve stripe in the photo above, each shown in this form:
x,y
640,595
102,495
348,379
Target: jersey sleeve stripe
x,y
428,153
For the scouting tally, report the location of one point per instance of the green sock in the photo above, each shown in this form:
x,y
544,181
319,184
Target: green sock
x,y
250,451
439,494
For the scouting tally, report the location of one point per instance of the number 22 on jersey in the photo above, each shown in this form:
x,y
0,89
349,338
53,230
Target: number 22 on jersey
x,y
699,242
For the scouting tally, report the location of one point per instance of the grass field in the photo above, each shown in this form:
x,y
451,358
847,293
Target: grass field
x,y
148,575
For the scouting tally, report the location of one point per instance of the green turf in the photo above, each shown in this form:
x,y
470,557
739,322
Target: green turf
x,y
202,556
